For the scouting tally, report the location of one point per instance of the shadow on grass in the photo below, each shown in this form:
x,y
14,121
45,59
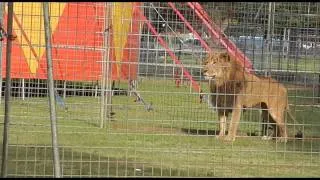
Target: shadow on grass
x,y
293,144
207,132
203,132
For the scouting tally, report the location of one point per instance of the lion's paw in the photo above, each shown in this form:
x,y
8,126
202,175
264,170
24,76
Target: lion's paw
x,y
265,138
220,136
282,139
229,138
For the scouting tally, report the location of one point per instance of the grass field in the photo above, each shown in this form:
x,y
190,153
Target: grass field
x,y
141,143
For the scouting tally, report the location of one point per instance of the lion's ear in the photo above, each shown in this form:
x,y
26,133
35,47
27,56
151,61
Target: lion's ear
x,y
203,62
228,58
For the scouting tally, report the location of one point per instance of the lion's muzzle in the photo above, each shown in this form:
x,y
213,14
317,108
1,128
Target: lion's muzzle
x,y
208,77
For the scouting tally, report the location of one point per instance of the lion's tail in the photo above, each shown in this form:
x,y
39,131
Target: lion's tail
x,y
291,116
289,112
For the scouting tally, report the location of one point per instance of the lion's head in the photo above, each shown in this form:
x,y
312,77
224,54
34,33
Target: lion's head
x,y
218,67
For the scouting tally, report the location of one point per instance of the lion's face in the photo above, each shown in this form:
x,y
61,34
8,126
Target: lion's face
x,y
217,67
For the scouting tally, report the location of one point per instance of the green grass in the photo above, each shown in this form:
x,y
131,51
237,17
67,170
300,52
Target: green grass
x,y
141,143
302,64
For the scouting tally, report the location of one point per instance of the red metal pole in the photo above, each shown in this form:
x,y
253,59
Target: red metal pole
x,y
195,85
228,44
206,16
203,43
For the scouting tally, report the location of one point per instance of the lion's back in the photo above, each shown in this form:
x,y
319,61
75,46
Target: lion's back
x,y
268,86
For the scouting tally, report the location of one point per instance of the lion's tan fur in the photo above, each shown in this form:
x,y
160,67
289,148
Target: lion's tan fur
x,y
233,89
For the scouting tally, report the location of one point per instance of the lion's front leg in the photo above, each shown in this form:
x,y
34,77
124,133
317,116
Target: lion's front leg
x,y
235,119
222,125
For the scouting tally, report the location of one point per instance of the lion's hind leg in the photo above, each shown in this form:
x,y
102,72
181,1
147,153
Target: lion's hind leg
x,y
266,123
265,119
278,117
269,129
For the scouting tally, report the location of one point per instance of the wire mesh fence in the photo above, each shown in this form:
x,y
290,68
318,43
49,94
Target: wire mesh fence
x,y
131,96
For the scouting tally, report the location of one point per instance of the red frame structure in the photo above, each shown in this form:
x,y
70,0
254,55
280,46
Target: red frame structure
x,y
216,33
66,68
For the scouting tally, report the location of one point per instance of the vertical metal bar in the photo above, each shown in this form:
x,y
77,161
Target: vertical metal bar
x,y
96,90
54,134
7,107
23,89
268,36
284,43
105,96
139,42
2,4
272,35
103,78
64,89
108,97
288,47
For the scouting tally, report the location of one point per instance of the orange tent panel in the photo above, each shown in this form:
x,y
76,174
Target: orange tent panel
x,y
77,43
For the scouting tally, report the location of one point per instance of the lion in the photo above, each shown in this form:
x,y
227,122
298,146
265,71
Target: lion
x,y
233,89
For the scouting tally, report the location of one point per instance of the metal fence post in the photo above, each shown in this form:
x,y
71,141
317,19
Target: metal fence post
x,y
7,106
54,134
106,107
2,4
